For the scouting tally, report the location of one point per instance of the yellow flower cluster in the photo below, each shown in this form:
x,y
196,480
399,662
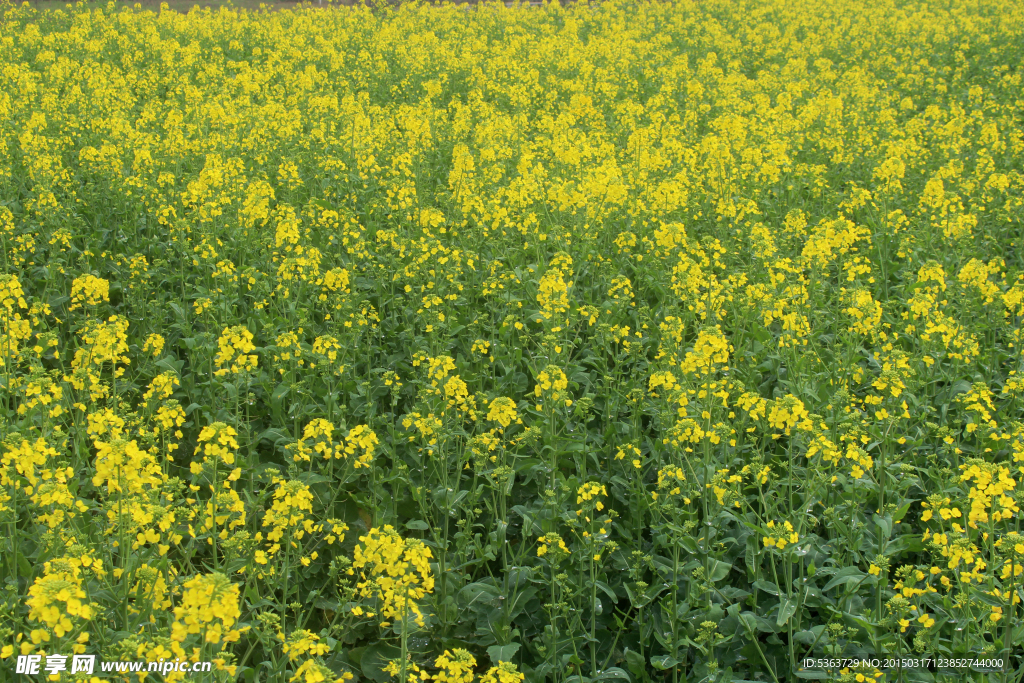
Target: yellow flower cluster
x,y
327,346
154,344
865,313
723,483
991,488
786,535
710,353
311,671
503,411
289,514
551,383
209,607
218,443
102,342
551,542
788,413
360,443
288,349
663,380
456,666
24,458
318,438
669,483
631,453
553,293
12,296
235,351
42,391
395,571
162,386
505,672
590,492
55,598
89,290
427,426
123,467
481,346
303,643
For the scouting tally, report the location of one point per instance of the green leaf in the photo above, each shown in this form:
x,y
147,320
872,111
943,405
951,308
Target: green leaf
x,y
749,621
277,401
689,543
636,664
810,636
751,552
520,601
986,598
417,525
325,603
231,390
375,658
633,598
26,568
310,478
844,576
502,653
767,587
170,364
883,523
272,435
608,591
479,594
899,514
663,662
787,608
719,570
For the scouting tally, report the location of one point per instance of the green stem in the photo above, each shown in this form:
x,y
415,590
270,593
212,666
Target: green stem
x,y
213,508
675,610
593,614
405,637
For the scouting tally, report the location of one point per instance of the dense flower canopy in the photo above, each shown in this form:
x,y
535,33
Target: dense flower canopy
x,y
616,340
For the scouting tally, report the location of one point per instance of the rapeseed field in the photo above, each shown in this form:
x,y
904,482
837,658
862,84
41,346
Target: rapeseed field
x,y
620,341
